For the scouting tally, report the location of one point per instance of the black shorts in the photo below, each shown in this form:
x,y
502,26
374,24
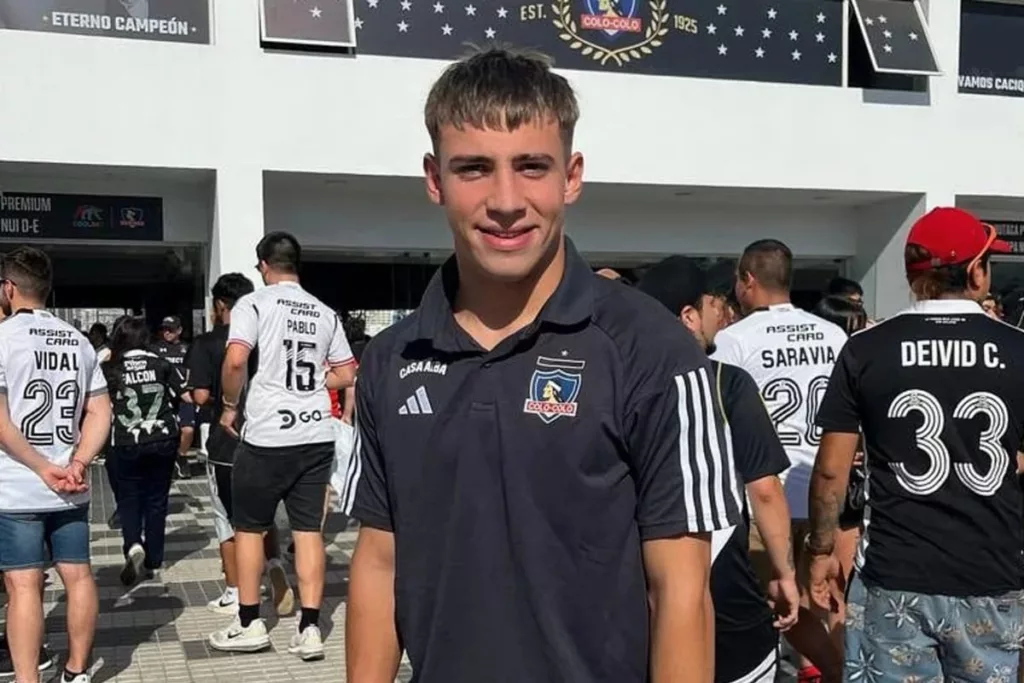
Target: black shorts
x,y
186,415
747,655
263,477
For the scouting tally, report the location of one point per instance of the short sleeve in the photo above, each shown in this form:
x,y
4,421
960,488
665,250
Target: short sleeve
x,y
838,412
97,381
3,370
339,353
681,456
366,491
728,349
244,322
200,365
756,446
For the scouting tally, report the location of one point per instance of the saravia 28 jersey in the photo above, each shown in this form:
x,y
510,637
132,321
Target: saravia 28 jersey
x,y
47,370
938,391
790,354
296,338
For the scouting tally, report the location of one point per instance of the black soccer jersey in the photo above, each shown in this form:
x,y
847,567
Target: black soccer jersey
x,y
204,371
939,391
174,354
743,622
145,390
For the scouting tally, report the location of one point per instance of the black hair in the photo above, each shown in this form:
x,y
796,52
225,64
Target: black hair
x,y
847,314
676,282
354,326
98,329
280,251
230,287
130,333
935,283
841,286
770,262
30,270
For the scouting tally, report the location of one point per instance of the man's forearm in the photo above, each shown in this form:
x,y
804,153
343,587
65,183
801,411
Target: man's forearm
x,y
95,430
371,640
771,514
828,490
232,379
682,644
14,444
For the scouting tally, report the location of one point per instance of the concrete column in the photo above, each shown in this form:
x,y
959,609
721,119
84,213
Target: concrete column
x,y
881,238
237,223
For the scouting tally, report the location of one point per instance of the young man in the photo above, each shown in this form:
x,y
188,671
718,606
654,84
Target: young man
x,y
54,419
937,392
789,353
287,441
170,347
204,367
541,459
746,642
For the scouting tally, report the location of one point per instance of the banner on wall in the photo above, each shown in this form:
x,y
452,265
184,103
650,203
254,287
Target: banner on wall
x,y
178,21
44,215
991,61
308,23
1011,232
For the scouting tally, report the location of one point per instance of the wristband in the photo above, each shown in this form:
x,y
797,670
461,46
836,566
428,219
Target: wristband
x,y
816,552
229,404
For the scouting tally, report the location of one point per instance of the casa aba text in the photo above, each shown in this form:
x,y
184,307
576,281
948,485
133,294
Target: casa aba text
x,y
785,41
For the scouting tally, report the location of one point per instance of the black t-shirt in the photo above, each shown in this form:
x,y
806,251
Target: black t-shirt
x,y
520,482
174,353
145,390
739,603
204,363
939,393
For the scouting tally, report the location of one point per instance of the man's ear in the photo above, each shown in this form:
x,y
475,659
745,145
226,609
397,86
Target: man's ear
x,y
432,178
690,317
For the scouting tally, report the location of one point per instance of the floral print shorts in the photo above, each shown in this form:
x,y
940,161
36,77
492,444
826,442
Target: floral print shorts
x,y
903,637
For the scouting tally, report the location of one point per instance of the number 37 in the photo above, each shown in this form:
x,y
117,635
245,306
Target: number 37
x,y
929,439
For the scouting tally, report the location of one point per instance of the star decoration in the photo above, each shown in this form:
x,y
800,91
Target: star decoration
x,y
821,18
490,33
438,8
316,12
819,37
772,13
759,52
887,33
712,29
502,12
722,9
406,5
868,21
797,55
887,48
447,30
767,32
882,19
359,23
739,31
372,3
723,50
912,35
403,27
793,35
470,11
832,57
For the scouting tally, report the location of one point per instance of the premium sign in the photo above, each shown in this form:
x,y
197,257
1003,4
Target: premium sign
x,y
181,21
785,41
40,216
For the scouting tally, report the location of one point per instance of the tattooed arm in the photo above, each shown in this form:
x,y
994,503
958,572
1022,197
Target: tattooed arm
x,y
828,488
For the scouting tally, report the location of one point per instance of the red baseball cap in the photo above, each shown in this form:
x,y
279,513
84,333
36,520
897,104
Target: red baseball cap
x,y
952,236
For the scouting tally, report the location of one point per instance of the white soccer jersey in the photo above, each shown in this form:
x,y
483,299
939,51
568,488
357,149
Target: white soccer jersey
x,y
47,369
296,337
789,353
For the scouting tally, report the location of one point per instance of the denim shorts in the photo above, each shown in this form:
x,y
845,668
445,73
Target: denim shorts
x,y
904,636
25,538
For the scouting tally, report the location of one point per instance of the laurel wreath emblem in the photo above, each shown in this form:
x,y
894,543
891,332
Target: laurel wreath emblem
x,y
569,32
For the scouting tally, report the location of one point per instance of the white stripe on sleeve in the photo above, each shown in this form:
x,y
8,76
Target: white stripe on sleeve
x,y
684,449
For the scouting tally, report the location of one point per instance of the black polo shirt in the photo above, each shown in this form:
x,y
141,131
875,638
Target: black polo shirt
x,y
520,482
744,635
939,393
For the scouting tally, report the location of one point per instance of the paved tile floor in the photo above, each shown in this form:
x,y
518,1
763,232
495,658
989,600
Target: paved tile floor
x,y
157,631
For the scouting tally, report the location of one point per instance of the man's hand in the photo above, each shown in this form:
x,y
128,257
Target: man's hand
x,y
822,576
227,420
784,598
58,479
76,472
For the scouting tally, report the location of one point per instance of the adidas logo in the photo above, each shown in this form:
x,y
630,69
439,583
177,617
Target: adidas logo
x,y
417,404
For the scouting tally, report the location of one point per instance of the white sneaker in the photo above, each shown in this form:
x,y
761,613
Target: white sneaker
x,y
80,678
281,592
133,565
227,603
234,638
308,645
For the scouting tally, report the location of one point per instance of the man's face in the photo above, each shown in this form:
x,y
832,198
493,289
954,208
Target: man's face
x,y
744,291
855,297
169,335
504,193
704,322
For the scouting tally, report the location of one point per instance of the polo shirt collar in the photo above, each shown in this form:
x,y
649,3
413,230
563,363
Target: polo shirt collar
x,y
571,303
945,307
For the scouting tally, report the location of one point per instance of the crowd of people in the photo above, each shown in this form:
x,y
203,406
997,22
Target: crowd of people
x,y
558,475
